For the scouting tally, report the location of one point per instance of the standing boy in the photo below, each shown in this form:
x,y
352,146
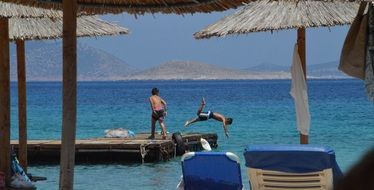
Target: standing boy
x,y
158,107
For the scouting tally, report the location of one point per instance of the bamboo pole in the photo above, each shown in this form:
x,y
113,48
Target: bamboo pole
x,y
69,99
301,48
22,116
4,99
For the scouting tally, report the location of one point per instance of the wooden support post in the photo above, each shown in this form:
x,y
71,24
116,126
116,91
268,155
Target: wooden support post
x,y
301,49
22,117
4,100
69,104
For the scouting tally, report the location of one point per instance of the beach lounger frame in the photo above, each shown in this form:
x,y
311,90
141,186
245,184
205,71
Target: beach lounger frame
x,y
296,167
274,180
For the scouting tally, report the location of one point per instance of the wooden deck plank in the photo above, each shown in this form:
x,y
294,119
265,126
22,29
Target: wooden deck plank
x,y
114,149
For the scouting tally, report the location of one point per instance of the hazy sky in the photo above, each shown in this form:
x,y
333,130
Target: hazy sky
x,y
156,39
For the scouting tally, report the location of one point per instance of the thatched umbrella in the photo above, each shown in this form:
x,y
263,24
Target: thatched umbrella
x,y
277,15
7,11
11,10
51,28
140,6
70,10
21,29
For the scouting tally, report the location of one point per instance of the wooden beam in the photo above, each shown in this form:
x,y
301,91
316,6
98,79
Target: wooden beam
x,y
4,100
22,117
301,48
69,99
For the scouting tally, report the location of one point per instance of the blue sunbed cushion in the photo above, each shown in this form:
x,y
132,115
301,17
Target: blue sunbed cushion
x,y
292,158
210,171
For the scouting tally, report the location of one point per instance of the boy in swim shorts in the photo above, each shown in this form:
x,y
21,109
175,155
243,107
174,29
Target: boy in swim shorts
x,y
158,107
203,116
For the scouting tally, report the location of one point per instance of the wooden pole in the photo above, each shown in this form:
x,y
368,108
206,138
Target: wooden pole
x,y
302,52
22,117
4,100
69,105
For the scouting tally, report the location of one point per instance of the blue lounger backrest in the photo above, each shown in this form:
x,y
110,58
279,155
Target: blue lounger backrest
x,y
292,158
211,171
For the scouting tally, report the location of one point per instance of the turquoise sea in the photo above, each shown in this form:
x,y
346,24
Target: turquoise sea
x,y
263,113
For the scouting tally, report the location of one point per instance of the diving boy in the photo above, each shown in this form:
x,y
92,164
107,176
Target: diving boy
x,y
203,116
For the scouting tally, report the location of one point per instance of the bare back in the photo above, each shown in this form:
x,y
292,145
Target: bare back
x,y
219,117
157,102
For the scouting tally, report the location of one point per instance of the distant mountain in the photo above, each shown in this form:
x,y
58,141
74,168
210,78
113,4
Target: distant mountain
x,y
44,63
189,70
328,70
268,67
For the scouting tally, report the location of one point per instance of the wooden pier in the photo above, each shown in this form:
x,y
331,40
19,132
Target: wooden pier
x,y
117,150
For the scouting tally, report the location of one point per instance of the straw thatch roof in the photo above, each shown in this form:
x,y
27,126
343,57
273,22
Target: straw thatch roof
x,y
140,6
46,28
9,10
277,15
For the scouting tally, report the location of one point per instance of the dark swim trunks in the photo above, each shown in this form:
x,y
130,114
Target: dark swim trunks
x,y
158,115
205,115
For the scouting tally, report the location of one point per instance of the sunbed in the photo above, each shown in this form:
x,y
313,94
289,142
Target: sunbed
x,y
296,167
211,171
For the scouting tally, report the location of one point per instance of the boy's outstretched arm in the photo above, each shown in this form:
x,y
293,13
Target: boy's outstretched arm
x,y
163,102
151,103
225,129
